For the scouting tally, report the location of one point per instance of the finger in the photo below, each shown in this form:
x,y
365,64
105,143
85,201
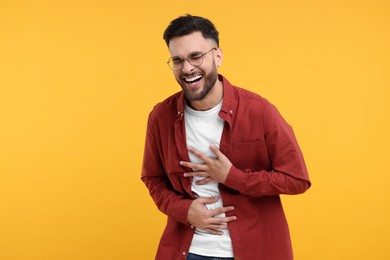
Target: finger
x,y
205,181
217,223
186,164
213,231
219,211
218,226
222,222
198,173
216,150
198,154
194,166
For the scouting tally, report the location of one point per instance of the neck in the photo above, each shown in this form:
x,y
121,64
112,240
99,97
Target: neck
x,y
212,99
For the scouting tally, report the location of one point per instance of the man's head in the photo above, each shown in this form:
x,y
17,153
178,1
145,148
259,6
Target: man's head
x,y
195,56
188,24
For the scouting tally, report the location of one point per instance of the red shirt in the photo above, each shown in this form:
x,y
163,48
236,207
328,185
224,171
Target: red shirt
x,y
267,161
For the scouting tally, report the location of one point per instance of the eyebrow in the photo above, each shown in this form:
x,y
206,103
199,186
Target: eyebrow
x,y
189,54
176,58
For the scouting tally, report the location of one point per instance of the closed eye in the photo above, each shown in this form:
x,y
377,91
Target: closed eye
x,y
177,60
195,55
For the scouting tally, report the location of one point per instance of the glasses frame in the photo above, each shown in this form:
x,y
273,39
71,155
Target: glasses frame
x,y
188,58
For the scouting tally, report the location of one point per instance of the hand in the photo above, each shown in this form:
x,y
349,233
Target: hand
x,y
213,169
200,217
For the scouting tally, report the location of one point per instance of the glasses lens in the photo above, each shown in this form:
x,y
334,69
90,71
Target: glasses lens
x,y
196,59
175,64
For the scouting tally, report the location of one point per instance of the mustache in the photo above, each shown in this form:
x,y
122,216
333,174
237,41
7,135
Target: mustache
x,y
190,74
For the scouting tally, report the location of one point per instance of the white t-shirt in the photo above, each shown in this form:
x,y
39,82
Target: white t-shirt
x,y
202,129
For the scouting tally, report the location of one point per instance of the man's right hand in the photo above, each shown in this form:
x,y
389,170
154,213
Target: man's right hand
x,y
201,217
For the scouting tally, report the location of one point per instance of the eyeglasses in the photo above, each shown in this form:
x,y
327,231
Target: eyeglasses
x,y
194,58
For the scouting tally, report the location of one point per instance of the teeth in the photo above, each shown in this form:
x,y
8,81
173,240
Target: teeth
x,y
190,80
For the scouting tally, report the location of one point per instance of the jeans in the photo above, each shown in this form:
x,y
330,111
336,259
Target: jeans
x,y
191,256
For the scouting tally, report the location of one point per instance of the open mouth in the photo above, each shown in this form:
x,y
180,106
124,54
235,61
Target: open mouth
x,y
193,79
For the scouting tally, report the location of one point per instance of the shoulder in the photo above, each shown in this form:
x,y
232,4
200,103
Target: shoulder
x,y
165,108
252,99
234,94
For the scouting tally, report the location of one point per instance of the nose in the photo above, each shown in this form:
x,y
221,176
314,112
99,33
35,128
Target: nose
x,y
187,67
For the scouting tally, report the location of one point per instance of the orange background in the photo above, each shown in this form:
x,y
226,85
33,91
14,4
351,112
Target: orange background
x,y
78,79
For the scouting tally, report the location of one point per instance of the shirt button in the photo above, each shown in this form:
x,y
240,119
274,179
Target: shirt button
x,y
184,253
231,111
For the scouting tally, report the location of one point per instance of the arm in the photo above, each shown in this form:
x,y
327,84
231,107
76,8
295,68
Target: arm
x,y
264,183
167,199
156,180
288,173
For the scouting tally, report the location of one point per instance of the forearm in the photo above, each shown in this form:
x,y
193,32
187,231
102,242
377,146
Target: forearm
x,y
265,183
286,172
168,201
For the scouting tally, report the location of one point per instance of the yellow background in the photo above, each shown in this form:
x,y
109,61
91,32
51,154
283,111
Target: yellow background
x,y
78,79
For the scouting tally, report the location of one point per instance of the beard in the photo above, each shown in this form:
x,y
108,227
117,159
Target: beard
x,y
209,82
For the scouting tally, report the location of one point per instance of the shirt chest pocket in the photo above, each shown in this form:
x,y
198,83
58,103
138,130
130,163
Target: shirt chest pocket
x,y
251,156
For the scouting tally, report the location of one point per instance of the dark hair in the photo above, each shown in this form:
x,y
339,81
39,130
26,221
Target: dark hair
x,y
188,24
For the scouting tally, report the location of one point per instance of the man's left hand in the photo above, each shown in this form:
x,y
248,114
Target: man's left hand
x,y
213,169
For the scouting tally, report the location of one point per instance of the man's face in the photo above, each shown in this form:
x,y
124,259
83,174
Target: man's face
x,y
196,81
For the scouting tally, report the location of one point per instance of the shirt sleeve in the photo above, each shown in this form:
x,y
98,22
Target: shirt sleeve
x,y
156,180
288,173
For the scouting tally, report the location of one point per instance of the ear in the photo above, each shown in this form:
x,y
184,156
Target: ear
x,y
219,58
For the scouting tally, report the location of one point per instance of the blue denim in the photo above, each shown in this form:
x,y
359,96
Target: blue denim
x,y
191,256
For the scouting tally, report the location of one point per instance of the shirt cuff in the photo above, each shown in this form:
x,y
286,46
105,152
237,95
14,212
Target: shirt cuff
x,y
235,179
180,210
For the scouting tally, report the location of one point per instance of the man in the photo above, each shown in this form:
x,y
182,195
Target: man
x,y
217,157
